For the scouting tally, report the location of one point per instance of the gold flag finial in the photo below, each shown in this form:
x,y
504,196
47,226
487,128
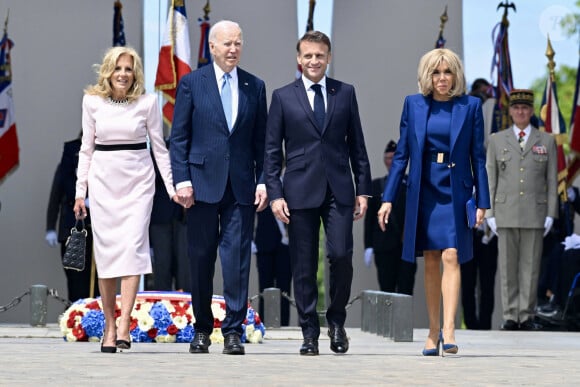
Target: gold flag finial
x,y
206,10
443,19
550,55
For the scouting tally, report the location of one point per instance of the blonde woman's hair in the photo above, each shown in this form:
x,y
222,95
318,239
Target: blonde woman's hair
x,y
105,70
430,61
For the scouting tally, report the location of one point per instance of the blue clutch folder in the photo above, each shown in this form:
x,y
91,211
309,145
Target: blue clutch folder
x,y
470,209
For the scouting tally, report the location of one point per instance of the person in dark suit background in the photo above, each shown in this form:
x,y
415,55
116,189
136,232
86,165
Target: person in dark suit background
x,y
314,128
393,273
273,259
168,236
442,139
217,154
60,207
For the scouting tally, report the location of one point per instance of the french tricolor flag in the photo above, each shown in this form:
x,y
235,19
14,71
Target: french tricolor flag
x,y
174,57
8,140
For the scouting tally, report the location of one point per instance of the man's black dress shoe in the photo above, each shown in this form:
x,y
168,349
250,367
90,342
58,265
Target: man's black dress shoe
x,y
510,325
338,339
309,347
530,325
233,345
200,343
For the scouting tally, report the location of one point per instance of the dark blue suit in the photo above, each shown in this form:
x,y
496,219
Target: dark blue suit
x,y
466,162
318,183
224,168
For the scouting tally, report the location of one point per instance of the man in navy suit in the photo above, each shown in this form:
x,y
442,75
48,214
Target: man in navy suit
x,y
217,154
318,121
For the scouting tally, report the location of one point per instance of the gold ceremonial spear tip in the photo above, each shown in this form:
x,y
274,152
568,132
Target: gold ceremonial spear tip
x,y
206,9
550,55
443,18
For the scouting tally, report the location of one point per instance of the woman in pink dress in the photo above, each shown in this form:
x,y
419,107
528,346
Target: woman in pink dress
x,y
115,166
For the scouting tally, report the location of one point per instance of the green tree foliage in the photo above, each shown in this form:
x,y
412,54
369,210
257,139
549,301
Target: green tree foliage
x,y
571,22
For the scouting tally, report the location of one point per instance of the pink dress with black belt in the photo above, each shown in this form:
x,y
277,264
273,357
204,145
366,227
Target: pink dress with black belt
x,y
121,183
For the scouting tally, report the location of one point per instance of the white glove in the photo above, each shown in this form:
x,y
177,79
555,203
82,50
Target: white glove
x,y
548,223
369,252
254,248
492,225
571,194
51,238
87,203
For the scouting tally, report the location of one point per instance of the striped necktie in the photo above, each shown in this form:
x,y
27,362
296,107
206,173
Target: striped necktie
x,y
227,99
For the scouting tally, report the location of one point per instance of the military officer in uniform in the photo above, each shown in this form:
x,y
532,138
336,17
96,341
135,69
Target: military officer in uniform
x,y
522,171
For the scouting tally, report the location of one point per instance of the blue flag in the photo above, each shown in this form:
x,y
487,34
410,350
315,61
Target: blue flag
x,y
118,25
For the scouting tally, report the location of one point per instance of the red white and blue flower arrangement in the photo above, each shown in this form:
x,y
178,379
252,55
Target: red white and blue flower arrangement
x,y
162,317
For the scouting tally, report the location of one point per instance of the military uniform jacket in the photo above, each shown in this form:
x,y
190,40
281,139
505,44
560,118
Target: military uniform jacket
x,y
522,183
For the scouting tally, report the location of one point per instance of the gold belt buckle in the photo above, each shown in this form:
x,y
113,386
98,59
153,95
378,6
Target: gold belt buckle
x,y
440,158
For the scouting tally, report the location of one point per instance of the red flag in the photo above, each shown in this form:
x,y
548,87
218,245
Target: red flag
x,y
174,57
8,139
574,162
552,122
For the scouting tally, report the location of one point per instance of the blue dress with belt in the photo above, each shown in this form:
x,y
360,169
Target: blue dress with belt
x,y
436,226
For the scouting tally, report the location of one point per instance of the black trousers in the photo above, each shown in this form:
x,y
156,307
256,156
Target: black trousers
x,y
477,301
394,274
304,231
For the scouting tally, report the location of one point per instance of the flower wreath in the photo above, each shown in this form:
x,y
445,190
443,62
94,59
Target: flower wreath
x,y
162,317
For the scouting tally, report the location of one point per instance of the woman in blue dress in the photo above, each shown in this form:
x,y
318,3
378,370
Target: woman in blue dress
x,y
441,139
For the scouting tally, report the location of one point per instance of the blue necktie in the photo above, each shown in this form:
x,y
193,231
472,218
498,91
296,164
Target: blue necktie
x,y
227,99
319,111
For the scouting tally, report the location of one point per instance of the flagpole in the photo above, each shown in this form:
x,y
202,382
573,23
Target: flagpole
x,y
440,43
546,114
6,21
550,55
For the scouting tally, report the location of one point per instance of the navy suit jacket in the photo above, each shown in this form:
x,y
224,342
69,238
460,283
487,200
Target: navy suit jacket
x,y
316,158
466,161
204,151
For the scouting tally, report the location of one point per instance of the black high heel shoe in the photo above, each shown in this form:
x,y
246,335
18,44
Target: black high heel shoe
x,y
433,351
447,348
108,349
123,344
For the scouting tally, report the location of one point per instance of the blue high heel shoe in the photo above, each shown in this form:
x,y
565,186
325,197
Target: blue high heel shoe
x,y
447,348
433,351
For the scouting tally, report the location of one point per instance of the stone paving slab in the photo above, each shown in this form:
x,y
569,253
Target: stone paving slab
x,y
39,356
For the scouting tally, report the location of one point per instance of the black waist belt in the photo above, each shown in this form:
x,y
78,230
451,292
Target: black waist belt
x,y
439,157
116,147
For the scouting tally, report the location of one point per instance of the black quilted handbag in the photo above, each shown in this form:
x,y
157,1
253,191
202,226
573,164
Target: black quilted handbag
x,y
76,244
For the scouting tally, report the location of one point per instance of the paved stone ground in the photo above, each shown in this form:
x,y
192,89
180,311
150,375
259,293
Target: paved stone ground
x,y
39,356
